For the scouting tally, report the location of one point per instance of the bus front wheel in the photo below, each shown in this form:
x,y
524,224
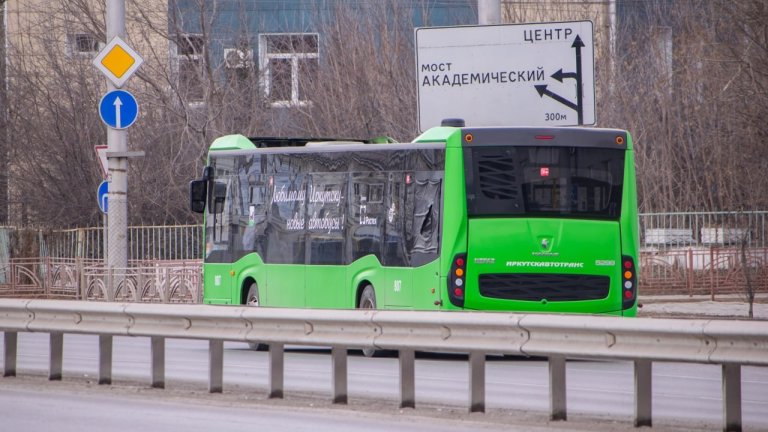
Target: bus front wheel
x,y
368,301
252,299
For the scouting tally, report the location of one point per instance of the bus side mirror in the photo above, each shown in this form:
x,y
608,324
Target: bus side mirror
x,y
198,191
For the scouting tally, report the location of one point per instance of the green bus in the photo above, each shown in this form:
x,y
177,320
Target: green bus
x,y
462,218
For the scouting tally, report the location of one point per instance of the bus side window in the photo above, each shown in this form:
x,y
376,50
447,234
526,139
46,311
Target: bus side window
x,y
424,238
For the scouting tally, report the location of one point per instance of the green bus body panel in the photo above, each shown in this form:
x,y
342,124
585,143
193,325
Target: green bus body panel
x,y
217,283
454,232
514,246
283,285
232,142
630,223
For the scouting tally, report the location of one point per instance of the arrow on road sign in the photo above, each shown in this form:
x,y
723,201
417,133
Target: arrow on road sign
x,y
117,105
578,44
559,75
542,89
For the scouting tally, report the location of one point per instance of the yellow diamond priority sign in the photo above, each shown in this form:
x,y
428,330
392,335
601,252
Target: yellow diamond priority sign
x,y
118,61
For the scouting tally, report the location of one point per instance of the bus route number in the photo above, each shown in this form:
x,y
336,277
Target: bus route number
x,y
554,116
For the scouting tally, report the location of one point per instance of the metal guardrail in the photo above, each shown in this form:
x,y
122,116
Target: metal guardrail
x,y
557,337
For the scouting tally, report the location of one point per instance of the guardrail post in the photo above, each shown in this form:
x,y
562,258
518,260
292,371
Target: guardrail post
x,y
407,378
476,381
276,370
339,360
557,401
643,393
10,342
158,361
56,356
215,365
731,398
105,359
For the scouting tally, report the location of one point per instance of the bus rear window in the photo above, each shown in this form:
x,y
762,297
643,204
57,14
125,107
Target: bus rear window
x,y
578,182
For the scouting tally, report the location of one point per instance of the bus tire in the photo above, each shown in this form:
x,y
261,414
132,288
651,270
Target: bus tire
x,y
252,300
368,301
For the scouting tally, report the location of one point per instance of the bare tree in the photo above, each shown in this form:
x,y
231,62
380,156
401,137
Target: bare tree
x,y
678,92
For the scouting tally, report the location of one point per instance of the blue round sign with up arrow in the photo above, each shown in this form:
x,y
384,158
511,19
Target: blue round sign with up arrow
x,y
118,109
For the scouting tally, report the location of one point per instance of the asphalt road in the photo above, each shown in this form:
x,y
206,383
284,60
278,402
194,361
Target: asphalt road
x,y
685,395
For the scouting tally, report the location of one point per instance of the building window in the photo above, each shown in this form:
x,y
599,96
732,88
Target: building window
x,y
82,44
288,62
189,55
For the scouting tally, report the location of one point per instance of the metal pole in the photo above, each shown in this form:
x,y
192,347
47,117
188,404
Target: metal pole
x,y
557,391
407,378
476,382
276,370
158,361
117,256
488,12
215,366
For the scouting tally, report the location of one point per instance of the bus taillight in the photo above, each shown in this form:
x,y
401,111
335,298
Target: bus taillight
x,y
457,279
628,282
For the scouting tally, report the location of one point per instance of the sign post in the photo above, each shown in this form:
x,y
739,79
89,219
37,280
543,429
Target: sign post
x,y
117,61
507,75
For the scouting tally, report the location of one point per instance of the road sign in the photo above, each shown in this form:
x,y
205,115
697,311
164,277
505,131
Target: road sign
x,y
101,153
118,109
507,75
101,196
118,61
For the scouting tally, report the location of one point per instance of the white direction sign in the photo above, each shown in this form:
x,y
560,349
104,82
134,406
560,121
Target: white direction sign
x,y
507,75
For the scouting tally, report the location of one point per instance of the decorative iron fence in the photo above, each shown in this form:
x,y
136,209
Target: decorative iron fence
x,y
681,253
80,279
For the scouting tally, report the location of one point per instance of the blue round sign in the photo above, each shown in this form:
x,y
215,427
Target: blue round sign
x,y
118,109
101,196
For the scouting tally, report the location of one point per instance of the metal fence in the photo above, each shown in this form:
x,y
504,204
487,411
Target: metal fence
x,y
81,279
145,243
662,231
704,253
681,253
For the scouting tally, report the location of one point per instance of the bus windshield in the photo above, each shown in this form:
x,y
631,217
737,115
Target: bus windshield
x,y
575,182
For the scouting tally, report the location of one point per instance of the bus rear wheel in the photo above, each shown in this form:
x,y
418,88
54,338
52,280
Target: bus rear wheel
x,y
368,301
252,300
